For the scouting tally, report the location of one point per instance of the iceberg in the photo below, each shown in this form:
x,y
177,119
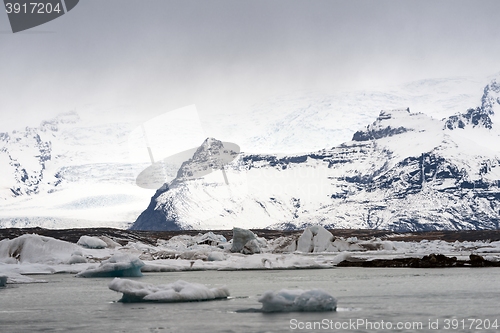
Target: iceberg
x,y
297,300
36,249
315,239
92,242
178,291
77,258
246,242
119,265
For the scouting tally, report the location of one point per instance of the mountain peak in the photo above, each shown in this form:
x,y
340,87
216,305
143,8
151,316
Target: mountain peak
x,y
386,125
491,97
211,155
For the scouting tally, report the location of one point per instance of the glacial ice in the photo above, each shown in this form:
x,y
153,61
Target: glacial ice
x,y
92,242
246,242
119,265
34,254
216,256
77,258
178,291
36,249
240,238
297,300
315,239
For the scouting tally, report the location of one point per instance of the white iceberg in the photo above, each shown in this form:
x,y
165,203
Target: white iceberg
x,y
77,258
119,265
92,242
315,239
36,249
179,291
297,300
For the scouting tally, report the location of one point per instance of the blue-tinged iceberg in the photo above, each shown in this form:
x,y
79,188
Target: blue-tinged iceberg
x,y
119,265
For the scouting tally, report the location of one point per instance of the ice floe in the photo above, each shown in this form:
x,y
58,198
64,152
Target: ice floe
x,y
297,300
178,291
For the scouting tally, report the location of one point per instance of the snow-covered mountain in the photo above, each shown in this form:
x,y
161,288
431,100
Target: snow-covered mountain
x,y
79,169
405,171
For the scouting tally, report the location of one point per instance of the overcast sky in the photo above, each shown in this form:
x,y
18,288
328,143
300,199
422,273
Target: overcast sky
x,y
134,59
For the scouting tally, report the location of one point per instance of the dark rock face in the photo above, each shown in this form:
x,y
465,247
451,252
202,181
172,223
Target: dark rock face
x,y
211,155
154,219
480,116
378,131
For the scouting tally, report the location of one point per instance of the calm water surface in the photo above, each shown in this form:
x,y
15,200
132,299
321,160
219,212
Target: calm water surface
x,y
446,298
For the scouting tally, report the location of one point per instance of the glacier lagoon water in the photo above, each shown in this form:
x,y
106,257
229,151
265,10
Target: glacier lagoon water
x,y
436,298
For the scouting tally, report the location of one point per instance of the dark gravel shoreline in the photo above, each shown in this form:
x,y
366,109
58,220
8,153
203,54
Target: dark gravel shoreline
x,y
150,237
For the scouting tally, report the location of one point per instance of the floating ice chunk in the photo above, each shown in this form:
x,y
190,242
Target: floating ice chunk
x,y
92,242
216,256
13,277
251,247
9,260
340,257
284,244
3,281
77,258
36,249
111,244
193,255
211,239
297,300
315,239
179,291
241,237
119,265
181,243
